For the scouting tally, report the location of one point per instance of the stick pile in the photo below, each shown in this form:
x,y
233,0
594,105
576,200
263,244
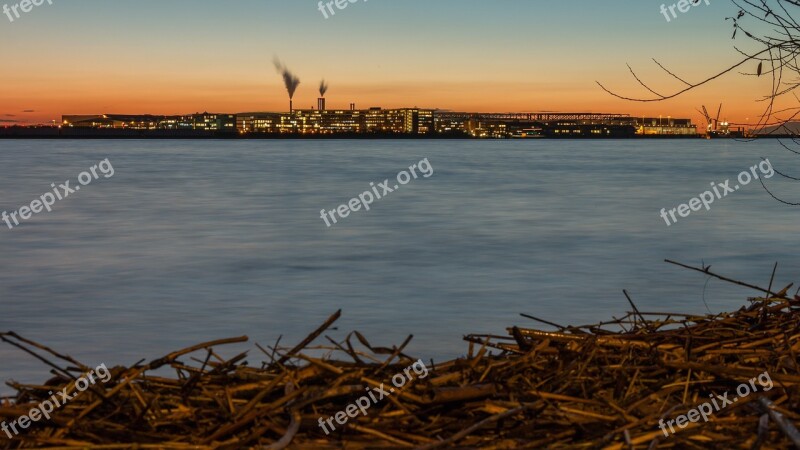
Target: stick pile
x,y
601,386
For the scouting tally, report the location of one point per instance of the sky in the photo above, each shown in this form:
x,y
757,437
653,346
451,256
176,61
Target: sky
x,y
184,56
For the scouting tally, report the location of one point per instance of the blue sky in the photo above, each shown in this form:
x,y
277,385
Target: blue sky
x,y
80,55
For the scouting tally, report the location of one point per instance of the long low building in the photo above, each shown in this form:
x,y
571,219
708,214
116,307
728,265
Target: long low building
x,y
198,121
405,121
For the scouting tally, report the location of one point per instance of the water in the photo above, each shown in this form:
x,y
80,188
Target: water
x,y
197,240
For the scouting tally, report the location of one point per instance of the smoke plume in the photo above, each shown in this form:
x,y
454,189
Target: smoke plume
x,y
323,88
289,79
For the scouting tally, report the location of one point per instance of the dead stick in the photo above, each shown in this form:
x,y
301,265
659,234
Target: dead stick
x,y
350,352
67,358
205,345
636,310
311,336
398,351
729,280
528,316
767,297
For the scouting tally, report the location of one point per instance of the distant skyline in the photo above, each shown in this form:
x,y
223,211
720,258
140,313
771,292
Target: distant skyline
x,y
186,56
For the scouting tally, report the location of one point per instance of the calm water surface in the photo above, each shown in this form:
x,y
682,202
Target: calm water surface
x,y
197,240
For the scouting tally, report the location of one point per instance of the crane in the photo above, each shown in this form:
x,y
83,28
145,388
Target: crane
x,y
716,128
705,114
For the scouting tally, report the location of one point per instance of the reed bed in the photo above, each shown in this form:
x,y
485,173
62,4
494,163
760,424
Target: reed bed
x,y
605,385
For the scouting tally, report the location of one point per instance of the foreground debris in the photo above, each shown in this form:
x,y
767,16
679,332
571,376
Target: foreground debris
x,y
607,385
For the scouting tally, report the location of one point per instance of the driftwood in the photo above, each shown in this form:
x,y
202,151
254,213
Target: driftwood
x,y
607,385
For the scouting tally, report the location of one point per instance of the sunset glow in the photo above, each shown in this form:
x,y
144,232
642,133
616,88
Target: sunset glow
x,y
188,56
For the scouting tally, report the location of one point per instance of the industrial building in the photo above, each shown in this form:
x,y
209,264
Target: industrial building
x,y
315,121
665,126
550,125
403,121
198,121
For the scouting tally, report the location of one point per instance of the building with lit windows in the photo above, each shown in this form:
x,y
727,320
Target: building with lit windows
x,y
449,125
133,122
380,120
223,123
418,121
340,121
258,122
333,121
401,121
406,120
665,126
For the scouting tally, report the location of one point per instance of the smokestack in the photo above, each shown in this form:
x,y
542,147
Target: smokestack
x,y
352,106
289,79
323,88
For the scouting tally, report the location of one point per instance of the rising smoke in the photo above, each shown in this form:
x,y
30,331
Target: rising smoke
x,y
289,79
323,88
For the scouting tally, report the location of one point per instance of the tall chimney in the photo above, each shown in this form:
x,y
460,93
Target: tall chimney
x,y
352,106
321,103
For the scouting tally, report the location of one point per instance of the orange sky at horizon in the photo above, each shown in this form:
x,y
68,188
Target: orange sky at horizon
x,y
165,98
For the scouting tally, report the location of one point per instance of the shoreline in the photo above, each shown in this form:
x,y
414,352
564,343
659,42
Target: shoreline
x,y
50,134
644,379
